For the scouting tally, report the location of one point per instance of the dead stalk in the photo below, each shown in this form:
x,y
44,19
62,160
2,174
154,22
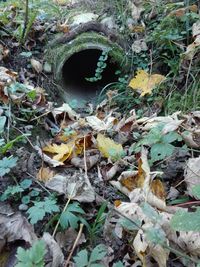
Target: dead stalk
x,y
74,245
65,207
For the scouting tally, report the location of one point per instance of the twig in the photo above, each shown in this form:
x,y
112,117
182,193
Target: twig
x,y
74,245
39,183
65,207
40,116
24,136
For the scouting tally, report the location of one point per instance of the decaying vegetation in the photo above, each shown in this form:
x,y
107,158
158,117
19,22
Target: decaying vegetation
x,y
117,182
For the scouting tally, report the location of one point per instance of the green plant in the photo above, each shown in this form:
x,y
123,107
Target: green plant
x,y
96,227
15,191
33,257
41,208
71,216
6,164
82,259
186,221
160,144
101,65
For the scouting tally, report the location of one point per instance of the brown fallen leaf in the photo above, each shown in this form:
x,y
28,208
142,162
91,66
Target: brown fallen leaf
x,y
75,186
45,174
55,255
92,157
15,227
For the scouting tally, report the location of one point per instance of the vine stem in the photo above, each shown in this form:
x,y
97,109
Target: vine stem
x,y
74,245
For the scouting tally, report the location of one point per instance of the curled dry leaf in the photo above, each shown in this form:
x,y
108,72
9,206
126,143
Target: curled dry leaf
x,y
101,125
141,186
16,227
48,159
190,139
54,254
65,109
192,174
60,152
171,123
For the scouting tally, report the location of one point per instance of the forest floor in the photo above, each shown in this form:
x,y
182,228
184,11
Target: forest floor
x,y
113,184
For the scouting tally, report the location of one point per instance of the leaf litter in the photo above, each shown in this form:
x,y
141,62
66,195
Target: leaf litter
x,y
87,160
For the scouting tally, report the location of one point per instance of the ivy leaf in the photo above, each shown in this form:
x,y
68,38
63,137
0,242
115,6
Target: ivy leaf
x,y
186,221
70,216
6,164
160,151
40,209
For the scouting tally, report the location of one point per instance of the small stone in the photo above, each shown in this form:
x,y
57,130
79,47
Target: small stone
x,y
23,207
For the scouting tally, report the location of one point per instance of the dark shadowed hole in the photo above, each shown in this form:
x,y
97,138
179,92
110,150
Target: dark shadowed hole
x,y
82,65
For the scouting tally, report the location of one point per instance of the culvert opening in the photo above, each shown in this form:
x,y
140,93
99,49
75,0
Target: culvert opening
x,y
82,65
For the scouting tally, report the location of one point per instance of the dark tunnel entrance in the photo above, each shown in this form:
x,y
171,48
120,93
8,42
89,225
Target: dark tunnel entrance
x,y
82,65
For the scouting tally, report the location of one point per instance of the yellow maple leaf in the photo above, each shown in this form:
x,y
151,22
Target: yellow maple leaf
x,y
145,82
109,148
63,151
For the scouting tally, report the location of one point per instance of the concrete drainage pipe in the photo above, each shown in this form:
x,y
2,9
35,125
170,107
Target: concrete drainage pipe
x,y
75,60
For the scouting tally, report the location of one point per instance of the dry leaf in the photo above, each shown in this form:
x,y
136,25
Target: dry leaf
x,y
65,109
48,159
100,125
45,174
140,186
189,139
109,148
145,82
157,189
92,157
133,179
36,65
75,186
16,227
63,151
55,252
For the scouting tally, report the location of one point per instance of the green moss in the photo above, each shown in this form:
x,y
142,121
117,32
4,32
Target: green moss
x,y
58,54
